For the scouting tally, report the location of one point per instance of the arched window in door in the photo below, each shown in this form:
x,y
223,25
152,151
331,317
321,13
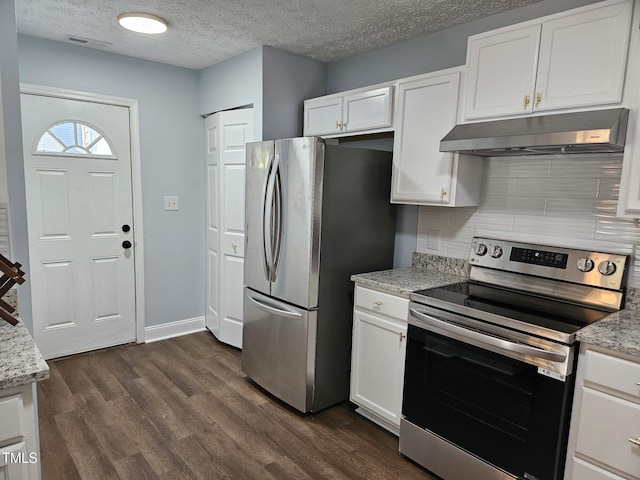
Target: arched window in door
x,y
74,138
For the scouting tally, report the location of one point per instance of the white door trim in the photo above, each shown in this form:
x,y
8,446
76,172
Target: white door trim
x,y
136,179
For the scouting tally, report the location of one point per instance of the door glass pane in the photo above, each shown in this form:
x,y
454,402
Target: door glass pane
x,y
74,138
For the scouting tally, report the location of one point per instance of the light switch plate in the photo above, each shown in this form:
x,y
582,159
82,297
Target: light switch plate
x,y
170,202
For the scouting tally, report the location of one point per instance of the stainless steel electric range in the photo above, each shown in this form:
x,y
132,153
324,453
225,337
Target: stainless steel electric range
x,y
490,361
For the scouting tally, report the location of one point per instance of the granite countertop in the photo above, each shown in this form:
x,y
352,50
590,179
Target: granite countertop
x,y
403,281
619,332
21,362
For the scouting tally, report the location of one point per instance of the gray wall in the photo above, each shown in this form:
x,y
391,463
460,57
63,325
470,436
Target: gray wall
x,y
172,151
443,49
287,80
12,125
273,81
236,82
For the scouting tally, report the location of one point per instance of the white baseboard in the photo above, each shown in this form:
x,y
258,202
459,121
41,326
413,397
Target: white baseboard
x,y
173,329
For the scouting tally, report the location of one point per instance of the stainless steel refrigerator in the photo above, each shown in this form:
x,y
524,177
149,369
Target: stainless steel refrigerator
x,y
315,214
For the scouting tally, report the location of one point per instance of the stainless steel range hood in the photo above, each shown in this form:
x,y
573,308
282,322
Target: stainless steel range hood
x,y
596,131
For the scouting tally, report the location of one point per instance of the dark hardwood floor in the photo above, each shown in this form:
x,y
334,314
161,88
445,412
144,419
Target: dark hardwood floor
x,y
182,409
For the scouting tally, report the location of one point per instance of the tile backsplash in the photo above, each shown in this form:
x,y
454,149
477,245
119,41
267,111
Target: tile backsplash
x,y
563,200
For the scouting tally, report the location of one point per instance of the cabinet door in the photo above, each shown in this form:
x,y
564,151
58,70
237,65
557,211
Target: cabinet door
x,y
367,110
323,116
227,135
583,58
212,238
501,73
606,426
377,369
426,111
578,469
13,462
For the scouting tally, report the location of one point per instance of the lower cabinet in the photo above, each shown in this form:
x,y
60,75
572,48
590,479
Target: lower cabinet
x,y
604,441
377,365
19,455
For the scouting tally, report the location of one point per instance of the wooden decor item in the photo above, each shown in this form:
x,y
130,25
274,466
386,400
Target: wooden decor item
x,y
11,274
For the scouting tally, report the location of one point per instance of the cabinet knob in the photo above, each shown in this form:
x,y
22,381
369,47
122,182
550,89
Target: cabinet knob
x,y
538,99
377,303
234,246
525,102
402,336
338,125
443,193
635,441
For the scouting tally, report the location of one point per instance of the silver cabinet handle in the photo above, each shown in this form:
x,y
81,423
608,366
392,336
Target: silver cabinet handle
x,y
635,441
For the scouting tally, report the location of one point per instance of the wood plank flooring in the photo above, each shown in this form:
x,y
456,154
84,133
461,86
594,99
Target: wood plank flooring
x,y
182,409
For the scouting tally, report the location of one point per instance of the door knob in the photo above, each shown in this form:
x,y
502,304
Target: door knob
x,y
126,228
126,244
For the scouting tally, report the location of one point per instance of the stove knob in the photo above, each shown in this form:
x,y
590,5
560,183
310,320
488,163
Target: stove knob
x,y
607,267
496,252
480,249
585,265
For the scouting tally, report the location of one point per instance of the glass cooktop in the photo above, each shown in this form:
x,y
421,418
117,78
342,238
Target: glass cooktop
x,y
554,315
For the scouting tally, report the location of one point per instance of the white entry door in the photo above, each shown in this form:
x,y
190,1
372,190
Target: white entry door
x,y
77,158
227,134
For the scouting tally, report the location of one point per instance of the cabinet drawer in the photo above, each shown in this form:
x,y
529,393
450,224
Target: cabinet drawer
x,y
606,424
581,470
613,372
384,303
11,418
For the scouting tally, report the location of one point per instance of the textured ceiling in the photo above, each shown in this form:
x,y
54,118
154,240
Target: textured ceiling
x,y
204,32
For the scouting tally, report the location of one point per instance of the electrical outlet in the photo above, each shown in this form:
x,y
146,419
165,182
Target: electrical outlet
x,y
170,202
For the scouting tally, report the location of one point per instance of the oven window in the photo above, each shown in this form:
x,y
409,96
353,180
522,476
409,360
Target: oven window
x,y
494,407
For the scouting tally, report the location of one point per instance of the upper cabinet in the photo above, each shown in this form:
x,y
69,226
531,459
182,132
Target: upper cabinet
x,y
426,109
573,59
364,110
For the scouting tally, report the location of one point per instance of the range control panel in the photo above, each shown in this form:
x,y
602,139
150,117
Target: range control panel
x,y
597,269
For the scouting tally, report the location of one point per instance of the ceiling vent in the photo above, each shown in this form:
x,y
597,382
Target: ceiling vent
x,y
88,42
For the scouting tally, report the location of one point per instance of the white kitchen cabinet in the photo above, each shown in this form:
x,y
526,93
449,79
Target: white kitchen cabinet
x,y
364,110
19,454
378,354
629,197
426,110
573,59
227,134
604,440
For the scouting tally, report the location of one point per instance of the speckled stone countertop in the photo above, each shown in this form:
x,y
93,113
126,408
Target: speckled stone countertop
x,y
21,362
619,331
403,281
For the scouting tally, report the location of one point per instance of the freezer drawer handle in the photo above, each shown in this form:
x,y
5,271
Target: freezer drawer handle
x,y
273,309
492,343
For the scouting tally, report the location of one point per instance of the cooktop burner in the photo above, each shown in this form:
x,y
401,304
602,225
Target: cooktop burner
x,y
523,308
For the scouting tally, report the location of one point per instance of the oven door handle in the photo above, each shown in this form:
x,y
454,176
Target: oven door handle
x,y
489,341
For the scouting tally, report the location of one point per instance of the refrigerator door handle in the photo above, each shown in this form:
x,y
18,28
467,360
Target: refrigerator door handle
x,y
267,216
276,308
277,227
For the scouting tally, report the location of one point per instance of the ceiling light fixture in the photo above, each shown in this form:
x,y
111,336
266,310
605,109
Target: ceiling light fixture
x,y
142,22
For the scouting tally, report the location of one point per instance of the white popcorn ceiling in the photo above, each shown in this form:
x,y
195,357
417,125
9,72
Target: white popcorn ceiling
x,y
204,32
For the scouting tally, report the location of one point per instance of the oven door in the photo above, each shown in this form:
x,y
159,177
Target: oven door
x,y
487,394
